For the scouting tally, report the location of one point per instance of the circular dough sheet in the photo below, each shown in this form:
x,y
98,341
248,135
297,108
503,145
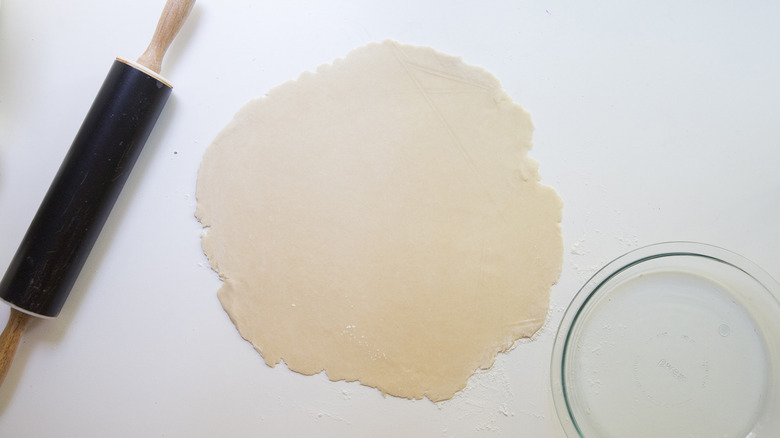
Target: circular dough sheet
x,y
380,220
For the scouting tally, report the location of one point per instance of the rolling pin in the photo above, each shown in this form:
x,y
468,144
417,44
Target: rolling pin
x,y
63,231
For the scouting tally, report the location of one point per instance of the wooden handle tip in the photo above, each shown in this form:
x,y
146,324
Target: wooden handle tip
x,y
9,340
171,21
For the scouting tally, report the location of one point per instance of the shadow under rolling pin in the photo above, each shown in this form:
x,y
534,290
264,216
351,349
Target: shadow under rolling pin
x,y
79,200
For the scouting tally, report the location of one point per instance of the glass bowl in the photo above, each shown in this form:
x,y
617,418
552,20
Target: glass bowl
x,y
676,339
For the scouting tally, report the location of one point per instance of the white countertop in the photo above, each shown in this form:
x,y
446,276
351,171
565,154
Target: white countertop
x,y
655,121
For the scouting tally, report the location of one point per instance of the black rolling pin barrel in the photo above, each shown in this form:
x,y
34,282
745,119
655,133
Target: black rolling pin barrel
x,y
87,185
69,220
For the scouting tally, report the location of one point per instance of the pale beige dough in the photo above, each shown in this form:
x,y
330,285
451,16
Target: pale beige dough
x,y
380,220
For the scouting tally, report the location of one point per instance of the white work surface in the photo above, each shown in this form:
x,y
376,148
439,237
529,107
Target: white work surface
x,y
655,121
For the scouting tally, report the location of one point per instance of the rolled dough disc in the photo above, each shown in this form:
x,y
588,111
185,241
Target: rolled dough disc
x,y
380,220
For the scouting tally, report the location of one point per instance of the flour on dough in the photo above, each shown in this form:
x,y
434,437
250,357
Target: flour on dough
x,y
380,220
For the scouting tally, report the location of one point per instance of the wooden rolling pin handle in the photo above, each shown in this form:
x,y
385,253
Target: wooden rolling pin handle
x,y
9,340
173,16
